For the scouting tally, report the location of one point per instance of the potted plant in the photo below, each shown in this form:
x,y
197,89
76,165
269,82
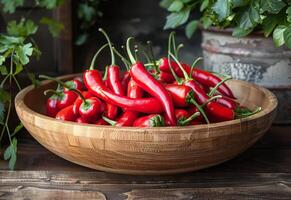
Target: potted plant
x,y
247,39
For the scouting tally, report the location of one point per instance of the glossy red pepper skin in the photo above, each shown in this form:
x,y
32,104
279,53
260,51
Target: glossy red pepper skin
x,y
113,80
179,94
91,110
101,122
79,101
191,110
81,120
66,99
51,106
181,114
153,120
199,75
162,76
75,84
145,80
95,85
124,81
219,113
111,111
199,94
128,117
66,114
227,102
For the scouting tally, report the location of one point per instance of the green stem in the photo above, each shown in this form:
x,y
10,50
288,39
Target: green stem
x,y
96,55
105,73
189,119
131,58
16,81
200,109
174,45
258,109
7,119
170,42
109,121
179,48
211,99
181,67
51,91
110,46
153,56
124,60
218,85
173,72
194,65
4,80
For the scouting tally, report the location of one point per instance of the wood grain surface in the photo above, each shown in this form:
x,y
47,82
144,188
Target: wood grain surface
x,y
163,150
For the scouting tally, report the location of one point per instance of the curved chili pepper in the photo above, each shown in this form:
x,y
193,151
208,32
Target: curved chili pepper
x,y
227,102
79,101
162,76
145,80
180,115
66,114
124,80
66,99
51,106
101,122
111,111
181,94
199,75
219,113
91,109
95,85
153,120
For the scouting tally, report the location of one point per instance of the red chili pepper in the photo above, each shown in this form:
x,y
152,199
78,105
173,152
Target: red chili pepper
x,y
111,111
193,110
91,109
75,84
181,94
51,106
145,80
81,120
180,115
219,113
162,76
66,99
227,102
199,75
153,120
66,114
95,85
79,101
124,80
101,122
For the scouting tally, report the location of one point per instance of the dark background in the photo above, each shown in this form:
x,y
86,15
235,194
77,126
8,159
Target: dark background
x,y
143,19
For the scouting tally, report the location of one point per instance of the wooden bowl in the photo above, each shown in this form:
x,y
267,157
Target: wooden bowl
x,y
147,151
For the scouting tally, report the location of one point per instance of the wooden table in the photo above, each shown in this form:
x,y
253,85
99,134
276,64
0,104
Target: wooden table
x,y
262,172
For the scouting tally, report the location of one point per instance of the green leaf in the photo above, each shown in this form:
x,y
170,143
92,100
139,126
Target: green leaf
x,y
49,4
191,28
54,27
287,36
204,5
239,32
249,18
4,96
206,22
176,6
33,80
272,6
2,59
23,53
239,3
10,40
222,9
8,152
23,28
178,18
278,35
3,70
19,68
288,12
166,3
86,12
12,153
17,128
10,5
81,39
269,23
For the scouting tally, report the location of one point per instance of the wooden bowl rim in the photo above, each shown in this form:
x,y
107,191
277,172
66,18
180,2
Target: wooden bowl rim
x,y
271,106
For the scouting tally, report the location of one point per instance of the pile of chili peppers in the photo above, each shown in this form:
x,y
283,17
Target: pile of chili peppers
x,y
164,92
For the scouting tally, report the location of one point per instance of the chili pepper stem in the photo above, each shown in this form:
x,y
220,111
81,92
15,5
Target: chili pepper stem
x,y
200,109
211,99
218,85
258,109
131,58
110,46
189,119
105,73
180,46
123,59
173,72
186,76
109,121
194,65
51,91
96,55
174,44
153,56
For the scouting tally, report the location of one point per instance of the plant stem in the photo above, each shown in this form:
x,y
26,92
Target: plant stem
x,y
96,55
218,85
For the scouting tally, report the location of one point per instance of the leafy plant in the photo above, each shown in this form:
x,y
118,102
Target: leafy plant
x,y
244,16
17,47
